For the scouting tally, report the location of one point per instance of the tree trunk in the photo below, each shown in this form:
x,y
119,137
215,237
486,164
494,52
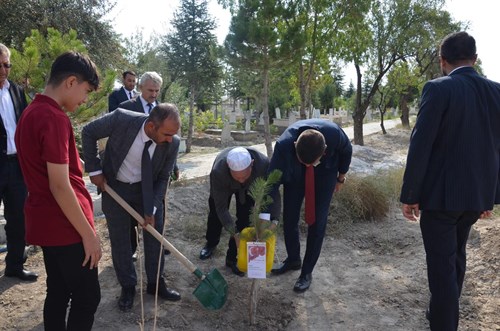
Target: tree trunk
x,y
382,113
358,114
189,139
303,91
265,111
405,111
254,291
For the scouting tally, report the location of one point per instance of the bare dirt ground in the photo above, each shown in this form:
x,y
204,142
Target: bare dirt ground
x,y
370,276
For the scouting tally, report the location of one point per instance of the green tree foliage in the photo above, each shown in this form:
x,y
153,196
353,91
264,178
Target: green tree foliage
x,y
394,27
192,52
258,40
32,67
19,18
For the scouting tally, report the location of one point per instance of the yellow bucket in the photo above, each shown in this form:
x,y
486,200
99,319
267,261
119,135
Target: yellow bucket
x,y
242,249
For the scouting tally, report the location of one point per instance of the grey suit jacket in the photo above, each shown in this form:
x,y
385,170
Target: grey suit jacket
x,y
121,127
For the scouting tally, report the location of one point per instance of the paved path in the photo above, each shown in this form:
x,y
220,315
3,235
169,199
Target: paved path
x,y
195,166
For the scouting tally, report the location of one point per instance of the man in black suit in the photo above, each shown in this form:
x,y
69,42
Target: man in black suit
x,y
452,171
130,134
124,93
12,187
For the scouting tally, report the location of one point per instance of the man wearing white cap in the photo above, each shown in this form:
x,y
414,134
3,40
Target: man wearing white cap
x,y
233,171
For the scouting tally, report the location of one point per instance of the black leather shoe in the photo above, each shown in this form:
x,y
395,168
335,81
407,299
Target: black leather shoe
x,y
126,300
287,266
234,268
166,252
163,291
303,283
206,252
22,274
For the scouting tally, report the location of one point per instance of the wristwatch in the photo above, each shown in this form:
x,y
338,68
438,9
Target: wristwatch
x,y
341,181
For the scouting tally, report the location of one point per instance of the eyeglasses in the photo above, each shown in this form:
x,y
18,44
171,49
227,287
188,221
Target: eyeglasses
x,y
6,65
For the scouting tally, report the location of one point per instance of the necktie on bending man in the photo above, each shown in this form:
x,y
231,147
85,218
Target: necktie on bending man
x,y
147,180
130,93
310,209
150,106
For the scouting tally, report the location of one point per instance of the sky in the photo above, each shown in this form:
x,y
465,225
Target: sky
x,y
154,16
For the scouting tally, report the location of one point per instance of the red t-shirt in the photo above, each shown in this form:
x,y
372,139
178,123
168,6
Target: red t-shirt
x,y
44,134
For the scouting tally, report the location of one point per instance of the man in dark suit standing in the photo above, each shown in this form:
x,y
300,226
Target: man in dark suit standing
x,y
149,86
12,187
132,136
452,170
314,157
124,93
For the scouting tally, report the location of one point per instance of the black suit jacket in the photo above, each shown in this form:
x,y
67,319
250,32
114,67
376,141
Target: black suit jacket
x,y
133,105
453,158
19,100
116,97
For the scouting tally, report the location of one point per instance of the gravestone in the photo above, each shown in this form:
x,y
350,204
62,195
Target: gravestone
x,y
277,113
291,118
225,137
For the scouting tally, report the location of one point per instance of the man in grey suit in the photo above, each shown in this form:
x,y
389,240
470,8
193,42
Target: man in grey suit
x,y
452,170
12,187
149,86
129,135
124,93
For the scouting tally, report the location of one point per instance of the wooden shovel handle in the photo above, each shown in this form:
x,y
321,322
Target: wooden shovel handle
x,y
178,255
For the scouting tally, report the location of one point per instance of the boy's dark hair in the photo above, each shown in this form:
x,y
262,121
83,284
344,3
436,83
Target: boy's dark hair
x,y
73,64
458,46
310,146
163,111
128,72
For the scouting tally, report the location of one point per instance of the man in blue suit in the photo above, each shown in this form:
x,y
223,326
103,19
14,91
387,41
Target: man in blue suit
x,y
452,170
124,93
130,134
322,147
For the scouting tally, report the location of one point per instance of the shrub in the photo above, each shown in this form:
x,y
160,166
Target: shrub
x,y
366,198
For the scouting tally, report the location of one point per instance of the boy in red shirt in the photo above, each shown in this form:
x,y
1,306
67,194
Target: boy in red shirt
x,y
58,210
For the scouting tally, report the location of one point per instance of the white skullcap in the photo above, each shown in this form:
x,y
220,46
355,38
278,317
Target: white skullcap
x,y
238,159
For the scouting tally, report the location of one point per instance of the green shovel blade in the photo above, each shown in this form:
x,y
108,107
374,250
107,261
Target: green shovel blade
x,y
212,291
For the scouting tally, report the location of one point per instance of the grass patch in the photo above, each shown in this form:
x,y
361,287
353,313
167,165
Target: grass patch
x,y
366,198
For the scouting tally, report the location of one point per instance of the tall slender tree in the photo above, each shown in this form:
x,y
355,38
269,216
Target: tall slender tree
x,y
192,52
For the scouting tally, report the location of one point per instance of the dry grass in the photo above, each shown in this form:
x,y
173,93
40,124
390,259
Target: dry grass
x,y
366,198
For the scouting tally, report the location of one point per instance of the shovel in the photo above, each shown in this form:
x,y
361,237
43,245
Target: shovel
x,y
212,291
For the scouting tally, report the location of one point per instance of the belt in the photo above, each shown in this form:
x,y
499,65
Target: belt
x,y
11,156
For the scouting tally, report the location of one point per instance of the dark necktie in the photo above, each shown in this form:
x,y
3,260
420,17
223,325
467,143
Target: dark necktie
x,y
130,93
309,195
147,180
150,106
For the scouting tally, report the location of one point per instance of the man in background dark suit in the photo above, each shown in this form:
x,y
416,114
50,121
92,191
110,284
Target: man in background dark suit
x,y
149,86
452,171
129,133
124,93
12,187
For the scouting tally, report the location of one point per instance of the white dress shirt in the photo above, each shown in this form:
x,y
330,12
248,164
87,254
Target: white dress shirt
x,y
8,117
